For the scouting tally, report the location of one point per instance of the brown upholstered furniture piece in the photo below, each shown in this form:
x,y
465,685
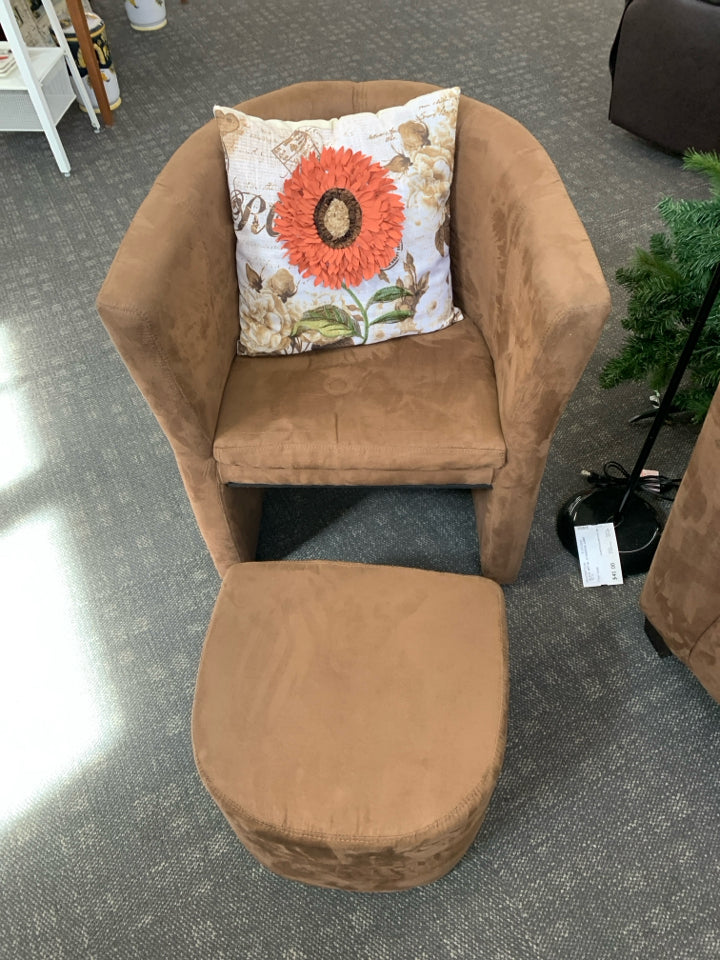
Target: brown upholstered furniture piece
x,y
681,596
473,405
666,73
353,729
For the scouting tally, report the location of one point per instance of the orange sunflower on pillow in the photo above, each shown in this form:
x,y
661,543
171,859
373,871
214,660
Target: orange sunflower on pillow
x,y
339,217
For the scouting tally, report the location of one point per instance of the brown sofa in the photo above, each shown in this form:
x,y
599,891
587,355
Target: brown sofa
x,y
681,596
474,405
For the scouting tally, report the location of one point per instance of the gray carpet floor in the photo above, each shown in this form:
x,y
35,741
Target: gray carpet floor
x,y
603,837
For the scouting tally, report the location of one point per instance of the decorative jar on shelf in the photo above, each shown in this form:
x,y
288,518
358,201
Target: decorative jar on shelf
x,y
98,36
146,14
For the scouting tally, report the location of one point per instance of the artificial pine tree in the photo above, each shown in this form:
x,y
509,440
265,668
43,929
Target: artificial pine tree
x,y
667,284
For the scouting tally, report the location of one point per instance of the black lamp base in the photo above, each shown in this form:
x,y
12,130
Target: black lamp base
x,y
637,531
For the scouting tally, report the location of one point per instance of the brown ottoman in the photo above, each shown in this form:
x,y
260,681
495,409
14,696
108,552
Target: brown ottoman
x,y
349,720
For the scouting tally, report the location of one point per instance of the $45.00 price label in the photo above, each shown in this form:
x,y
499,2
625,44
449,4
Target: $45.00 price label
x,y
598,555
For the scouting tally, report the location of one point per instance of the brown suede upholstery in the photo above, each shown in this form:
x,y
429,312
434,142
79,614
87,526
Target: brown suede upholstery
x,y
445,379
681,596
474,404
349,720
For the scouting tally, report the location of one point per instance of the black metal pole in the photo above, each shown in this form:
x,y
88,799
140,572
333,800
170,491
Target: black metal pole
x,y
672,387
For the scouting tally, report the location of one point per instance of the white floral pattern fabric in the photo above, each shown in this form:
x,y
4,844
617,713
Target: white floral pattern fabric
x,y
342,226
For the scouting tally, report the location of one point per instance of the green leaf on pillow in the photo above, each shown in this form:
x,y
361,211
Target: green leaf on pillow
x,y
342,342
394,316
388,294
328,320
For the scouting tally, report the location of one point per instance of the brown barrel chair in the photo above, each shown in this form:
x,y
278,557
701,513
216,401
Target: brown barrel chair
x,y
474,405
681,596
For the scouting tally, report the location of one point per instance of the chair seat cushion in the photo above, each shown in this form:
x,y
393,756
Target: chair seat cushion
x,y
420,410
349,720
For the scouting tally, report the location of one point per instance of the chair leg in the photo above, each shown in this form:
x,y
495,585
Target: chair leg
x,y
243,510
229,519
656,639
503,524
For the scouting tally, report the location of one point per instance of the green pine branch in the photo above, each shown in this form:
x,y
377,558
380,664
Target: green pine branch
x,y
667,284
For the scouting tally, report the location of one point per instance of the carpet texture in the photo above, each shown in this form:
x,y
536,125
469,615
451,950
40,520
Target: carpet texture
x,y
603,836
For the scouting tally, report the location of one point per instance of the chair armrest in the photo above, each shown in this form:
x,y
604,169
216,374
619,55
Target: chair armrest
x,y
523,270
680,596
170,299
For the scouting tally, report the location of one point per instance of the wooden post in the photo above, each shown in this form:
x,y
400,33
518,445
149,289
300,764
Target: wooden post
x,y
79,22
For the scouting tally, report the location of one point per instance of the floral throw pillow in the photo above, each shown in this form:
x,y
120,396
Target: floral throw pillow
x,y
342,226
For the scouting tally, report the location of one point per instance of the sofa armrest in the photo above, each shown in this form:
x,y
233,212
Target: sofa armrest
x,y
523,270
170,299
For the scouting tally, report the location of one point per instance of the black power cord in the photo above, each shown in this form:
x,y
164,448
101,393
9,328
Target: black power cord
x,y
614,474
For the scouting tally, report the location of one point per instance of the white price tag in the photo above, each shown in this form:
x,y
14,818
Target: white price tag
x,y
598,555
